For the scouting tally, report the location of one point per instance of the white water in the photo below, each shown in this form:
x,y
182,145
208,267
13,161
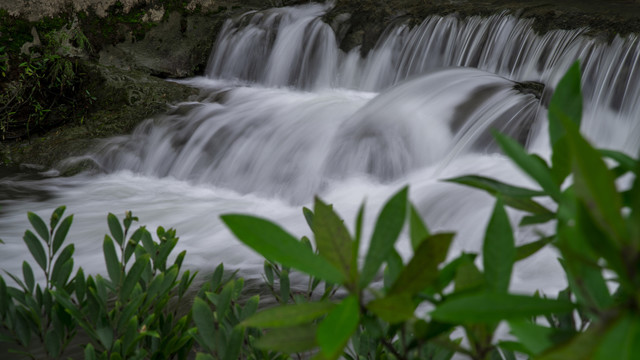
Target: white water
x,y
284,115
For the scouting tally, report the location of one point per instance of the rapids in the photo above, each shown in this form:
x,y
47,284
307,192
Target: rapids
x,y
283,114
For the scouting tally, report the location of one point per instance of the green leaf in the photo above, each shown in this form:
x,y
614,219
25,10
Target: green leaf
x,y
289,339
111,259
332,238
275,244
495,187
203,317
395,308
58,267
52,343
393,269
624,160
224,300
526,250
499,252
27,275
387,229
565,104
489,307
289,315
56,216
36,249
234,345
537,219
61,233
422,269
201,356
133,276
418,231
468,277
356,244
622,340
308,216
530,164
535,338
39,226
336,329
595,186
115,228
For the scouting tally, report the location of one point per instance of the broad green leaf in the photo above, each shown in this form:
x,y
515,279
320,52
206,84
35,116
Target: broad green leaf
x,y
111,259
490,307
224,300
622,340
39,226
133,276
4,297
56,216
449,271
80,285
332,238
52,343
595,185
422,269
534,338
395,308
203,317
565,104
285,285
428,330
587,283
289,339
250,308
202,356
289,315
531,165
234,345
36,249
418,230
633,220
468,277
336,329
537,219
585,345
115,228
499,252
387,229
561,160
27,275
275,244
61,233
526,250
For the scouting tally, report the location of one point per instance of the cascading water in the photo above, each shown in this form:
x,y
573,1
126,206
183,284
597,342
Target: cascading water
x,y
284,114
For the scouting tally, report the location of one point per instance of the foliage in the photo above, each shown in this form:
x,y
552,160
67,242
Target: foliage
x,y
597,233
424,308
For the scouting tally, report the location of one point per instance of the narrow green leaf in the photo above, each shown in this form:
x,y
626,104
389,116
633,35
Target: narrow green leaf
x,y
422,269
275,244
356,244
289,315
624,160
80,285
111,259
202,356
526,250
537,219
52,343
468,277
393,269
565,104
56,216
289,339
5,299
535,338
39,226
449,271
336,329
499,252
418,231
133,276
249,310
36,249
332,238
234,344
530,165
395,308
27,275
90,352
622,341
224,300
495,187
387,229
58,266
61,233
490,307
285,288
105,335
203,317
308,216
115,228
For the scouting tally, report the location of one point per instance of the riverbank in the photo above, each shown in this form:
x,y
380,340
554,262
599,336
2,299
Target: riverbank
x,y
133,45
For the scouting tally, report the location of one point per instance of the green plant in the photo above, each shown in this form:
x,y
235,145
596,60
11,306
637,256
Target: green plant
x,y
597,232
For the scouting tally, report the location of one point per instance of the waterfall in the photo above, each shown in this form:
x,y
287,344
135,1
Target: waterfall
x,y
283,114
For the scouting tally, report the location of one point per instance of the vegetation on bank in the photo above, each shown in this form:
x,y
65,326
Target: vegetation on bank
x,y
134,312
